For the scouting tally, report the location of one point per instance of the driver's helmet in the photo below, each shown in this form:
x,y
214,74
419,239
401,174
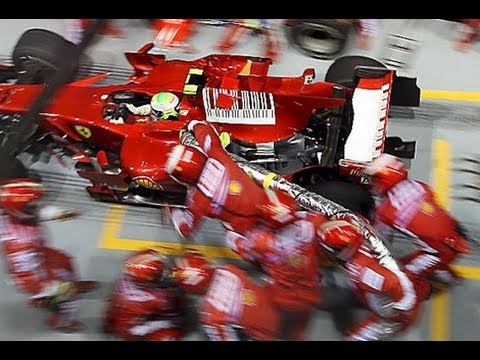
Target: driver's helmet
x,y
164,106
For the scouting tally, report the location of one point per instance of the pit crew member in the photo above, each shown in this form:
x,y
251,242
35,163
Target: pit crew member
x,y
392,295
410,206
146,303
45,273
232,306
262,226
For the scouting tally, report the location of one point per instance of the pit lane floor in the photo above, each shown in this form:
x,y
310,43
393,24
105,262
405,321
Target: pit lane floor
x,y
101,237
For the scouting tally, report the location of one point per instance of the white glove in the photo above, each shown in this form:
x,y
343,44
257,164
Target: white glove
x,y
52,212
192,124
116,121
55,291
150,326
139,110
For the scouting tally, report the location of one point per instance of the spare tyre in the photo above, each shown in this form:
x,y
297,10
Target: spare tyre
x,y
319,38
39,54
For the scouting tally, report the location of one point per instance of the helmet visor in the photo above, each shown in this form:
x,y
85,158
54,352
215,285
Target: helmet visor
x,y
164,115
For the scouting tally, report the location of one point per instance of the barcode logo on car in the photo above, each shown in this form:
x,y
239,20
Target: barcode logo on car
x,y
248,107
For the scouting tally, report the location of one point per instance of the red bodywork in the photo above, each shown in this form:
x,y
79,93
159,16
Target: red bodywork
x,y
77,111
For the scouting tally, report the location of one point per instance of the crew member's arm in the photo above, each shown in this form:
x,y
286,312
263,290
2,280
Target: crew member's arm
x,y
385,215
391,292
252,245
188,221
52,212
240,244
207,137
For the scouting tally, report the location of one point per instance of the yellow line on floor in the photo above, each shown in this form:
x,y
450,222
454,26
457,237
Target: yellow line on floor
x,y
111,226
440,319
441,152
109,239
468,272
169,247
440,311
448,95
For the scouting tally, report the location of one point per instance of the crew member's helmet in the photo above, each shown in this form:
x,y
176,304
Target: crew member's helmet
x,y
185,164
386,171
164,106
340,239
147,266
20,198
279,210
193,272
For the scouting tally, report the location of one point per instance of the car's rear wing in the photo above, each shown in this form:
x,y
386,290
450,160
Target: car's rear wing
x,y
377,89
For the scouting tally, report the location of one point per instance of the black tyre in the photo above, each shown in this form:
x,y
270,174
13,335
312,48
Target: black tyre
x,y
350,195
342,71
11,167
319,38
39,54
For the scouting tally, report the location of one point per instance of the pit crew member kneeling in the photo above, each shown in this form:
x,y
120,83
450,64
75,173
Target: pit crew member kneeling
x,y
47,274
146,303
410,207
232,306
393,295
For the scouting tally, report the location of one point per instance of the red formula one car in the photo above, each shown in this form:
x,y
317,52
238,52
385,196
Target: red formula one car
x,y
293,125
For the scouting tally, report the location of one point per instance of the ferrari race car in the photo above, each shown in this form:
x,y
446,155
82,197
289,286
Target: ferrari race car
x,y
292,125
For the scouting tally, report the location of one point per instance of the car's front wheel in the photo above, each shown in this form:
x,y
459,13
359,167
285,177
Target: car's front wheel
x,y
39,54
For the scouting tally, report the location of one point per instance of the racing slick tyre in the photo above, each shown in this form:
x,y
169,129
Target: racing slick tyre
x,y
338,188
342,71
349,195
319,38
11,167
38,55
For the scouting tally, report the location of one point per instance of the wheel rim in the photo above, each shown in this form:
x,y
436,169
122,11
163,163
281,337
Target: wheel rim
x,y
320,40
35,70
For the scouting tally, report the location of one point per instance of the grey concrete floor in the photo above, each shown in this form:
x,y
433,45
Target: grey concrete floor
x,y
435,65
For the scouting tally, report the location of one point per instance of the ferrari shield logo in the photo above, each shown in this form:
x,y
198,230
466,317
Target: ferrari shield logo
x,y
83,131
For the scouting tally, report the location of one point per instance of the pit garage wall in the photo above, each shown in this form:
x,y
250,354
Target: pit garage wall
x,y
100,238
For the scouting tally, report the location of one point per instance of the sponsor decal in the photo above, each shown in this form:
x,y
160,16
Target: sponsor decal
x,y
295,260
248,297
234,187
427,207
147,183
382,125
